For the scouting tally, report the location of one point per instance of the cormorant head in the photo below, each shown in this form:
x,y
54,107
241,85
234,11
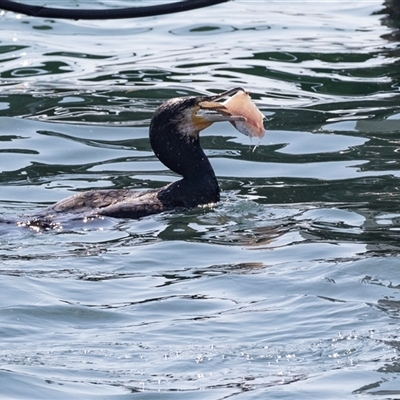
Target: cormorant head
x,y
187,116
175,127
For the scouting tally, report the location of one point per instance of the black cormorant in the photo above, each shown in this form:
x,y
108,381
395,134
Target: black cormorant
x,y
174,138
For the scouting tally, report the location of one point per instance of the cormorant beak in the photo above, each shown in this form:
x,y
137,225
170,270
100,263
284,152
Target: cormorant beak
x,y
211,111
229,92
238,110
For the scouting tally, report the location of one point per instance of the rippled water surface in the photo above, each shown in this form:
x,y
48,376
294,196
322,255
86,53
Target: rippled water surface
x,y
288,288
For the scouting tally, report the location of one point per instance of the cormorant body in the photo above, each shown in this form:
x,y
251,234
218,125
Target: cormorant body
x,y
174,138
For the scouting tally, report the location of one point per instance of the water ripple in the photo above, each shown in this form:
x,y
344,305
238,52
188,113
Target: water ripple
x,y
286,287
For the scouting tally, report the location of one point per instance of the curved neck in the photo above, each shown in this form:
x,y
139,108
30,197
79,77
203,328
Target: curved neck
x,y
181,153
199,184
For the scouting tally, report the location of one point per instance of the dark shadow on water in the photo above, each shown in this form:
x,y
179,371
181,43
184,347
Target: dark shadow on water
x,y
391,19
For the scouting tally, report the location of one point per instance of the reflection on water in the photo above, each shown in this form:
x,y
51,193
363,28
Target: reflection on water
x,y
287,286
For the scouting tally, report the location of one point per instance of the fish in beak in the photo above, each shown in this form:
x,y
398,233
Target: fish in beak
x,y
239,110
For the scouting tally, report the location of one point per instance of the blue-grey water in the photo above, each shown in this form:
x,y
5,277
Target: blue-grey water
x,y
288,288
